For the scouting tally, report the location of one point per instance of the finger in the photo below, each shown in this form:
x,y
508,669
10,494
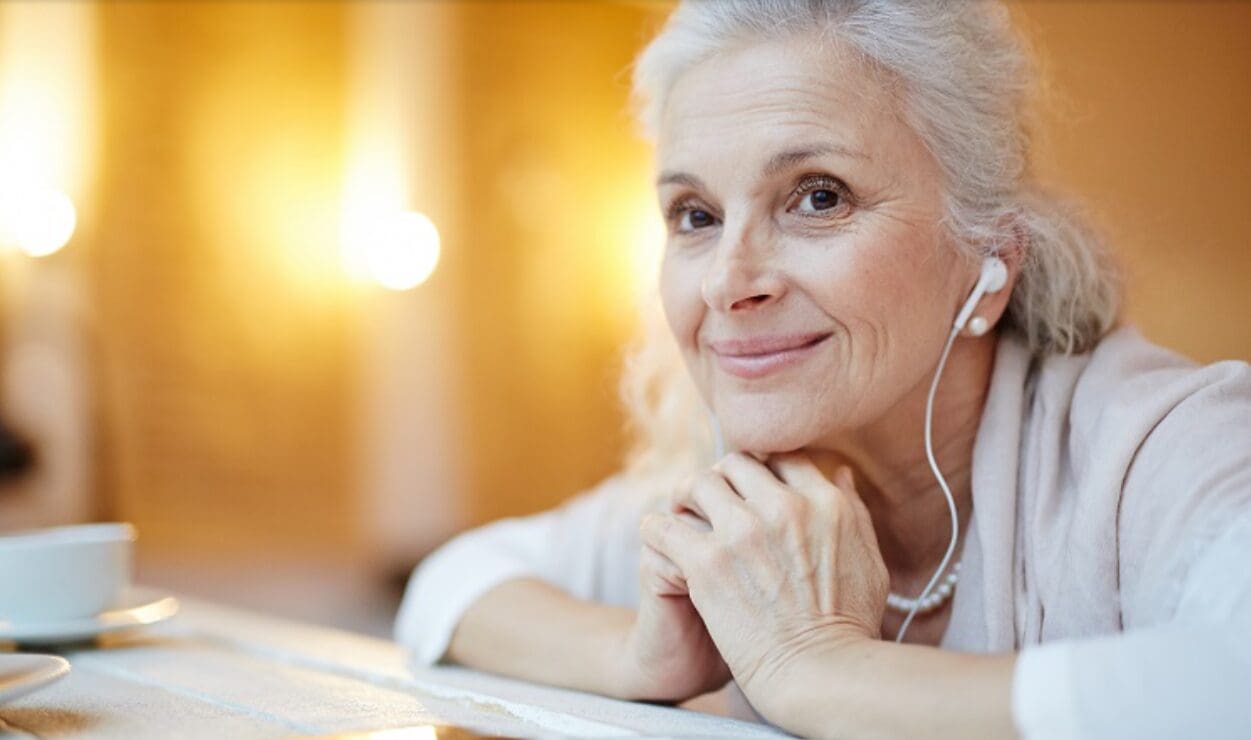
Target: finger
x,y
846,482
671,537
659,574
680,498
720,504
798,471
749,478
682,501
697,523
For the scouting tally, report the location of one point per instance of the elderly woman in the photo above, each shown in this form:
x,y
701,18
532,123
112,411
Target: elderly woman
x,y
959,500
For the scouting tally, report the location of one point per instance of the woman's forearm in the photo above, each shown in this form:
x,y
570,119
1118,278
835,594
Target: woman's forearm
x,y
532,630
872,689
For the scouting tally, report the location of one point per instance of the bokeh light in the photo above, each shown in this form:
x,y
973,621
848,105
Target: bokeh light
x,y
38,221
399,249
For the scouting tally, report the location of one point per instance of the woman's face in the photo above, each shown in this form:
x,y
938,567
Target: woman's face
x,y
806,277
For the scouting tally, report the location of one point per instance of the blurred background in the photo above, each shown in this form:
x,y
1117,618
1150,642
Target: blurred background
x,y
304,288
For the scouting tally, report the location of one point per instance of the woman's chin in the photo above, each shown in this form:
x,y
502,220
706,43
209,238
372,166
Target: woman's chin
x,y
768,423
764,439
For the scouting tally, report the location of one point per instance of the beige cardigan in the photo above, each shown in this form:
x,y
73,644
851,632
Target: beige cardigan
x,y
1111,521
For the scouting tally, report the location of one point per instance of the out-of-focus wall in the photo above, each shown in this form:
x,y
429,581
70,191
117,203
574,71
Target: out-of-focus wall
x,y
1149,122
224,335
232,395
558,215
48,125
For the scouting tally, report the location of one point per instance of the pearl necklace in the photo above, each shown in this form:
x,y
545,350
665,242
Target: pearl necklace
x,y
941,593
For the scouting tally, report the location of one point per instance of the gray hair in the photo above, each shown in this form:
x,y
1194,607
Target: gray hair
x,y
964,81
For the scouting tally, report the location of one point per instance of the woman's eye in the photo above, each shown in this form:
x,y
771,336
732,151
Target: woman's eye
x,y
687,215
818,194
819,200
695,219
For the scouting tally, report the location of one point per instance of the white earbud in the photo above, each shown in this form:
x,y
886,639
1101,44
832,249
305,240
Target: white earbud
x,y
994,276
978,325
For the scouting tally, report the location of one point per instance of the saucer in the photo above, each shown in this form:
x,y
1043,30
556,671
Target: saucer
x,y
21,673
136,608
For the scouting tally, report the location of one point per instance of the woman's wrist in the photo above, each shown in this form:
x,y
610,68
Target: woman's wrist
x,y
621,669
852,685
798,687
532,630
665,655
633,678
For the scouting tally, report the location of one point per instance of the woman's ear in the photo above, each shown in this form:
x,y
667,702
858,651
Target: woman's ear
x,y
990,309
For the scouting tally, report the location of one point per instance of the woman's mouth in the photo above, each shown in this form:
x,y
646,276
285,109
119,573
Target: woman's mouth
x,y
757,357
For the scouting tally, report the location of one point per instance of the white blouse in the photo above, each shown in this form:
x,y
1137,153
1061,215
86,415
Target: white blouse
x,y
1109,544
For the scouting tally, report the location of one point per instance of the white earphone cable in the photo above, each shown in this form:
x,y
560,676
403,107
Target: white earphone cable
x,y
942,482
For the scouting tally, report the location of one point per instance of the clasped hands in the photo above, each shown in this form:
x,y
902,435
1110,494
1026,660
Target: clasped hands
x,y
756,568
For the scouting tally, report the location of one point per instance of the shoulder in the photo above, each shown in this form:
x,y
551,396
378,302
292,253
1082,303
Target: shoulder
x,y
1127,370
1129,392
1173,437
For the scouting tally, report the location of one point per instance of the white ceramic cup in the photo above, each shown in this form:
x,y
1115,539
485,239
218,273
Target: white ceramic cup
x,y
64,573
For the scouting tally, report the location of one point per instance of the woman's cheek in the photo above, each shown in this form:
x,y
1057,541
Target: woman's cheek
x,y
681,299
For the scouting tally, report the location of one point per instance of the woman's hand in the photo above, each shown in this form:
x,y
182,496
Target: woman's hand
x,y
668,655
790,565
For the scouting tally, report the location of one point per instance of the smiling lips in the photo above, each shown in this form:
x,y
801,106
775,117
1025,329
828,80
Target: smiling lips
x,y
760,356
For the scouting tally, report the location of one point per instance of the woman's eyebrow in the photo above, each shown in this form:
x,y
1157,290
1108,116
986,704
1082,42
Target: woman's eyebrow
x,y
777,163
679,178
791,157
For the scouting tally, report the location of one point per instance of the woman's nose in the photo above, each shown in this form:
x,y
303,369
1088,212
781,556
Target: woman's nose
x,y
742,274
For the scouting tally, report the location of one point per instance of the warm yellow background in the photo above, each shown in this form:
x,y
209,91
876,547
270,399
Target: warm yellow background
x,y
224,344
1151,109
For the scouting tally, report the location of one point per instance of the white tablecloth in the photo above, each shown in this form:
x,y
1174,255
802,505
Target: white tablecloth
x,y
215,672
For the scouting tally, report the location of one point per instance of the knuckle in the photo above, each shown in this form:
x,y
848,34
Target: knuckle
x,y
845,501
785,512
773,514
732,461
682,493
714,559
755,539
744,535
797,507
658,568
653,527
836,512
674,576
706,479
